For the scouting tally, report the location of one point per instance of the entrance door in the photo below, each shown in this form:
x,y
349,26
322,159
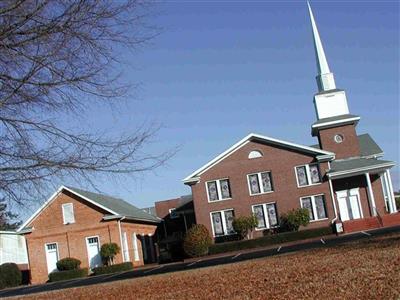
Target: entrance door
x,y
93,249
349,204
51,257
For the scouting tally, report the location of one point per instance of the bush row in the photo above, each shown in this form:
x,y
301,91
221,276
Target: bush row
x,y
126,266
69,274
269,240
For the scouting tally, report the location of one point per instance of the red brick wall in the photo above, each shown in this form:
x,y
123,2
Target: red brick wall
x,y
280,162
163,207
350,146
49,228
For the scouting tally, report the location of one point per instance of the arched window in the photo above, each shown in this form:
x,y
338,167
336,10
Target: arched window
x,y
255,154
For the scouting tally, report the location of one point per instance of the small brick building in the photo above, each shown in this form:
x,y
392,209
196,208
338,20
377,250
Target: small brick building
x,y
75,223
342,180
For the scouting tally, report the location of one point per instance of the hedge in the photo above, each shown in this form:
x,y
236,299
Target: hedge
x,y
269,240
68,263
126,266
10,275
70,274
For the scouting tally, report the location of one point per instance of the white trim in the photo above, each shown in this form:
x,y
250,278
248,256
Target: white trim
x,y
219,192
260,185
222,220
243,142
386,193
335,122
308,174
126,247
63,212
52,197
361,170
314,207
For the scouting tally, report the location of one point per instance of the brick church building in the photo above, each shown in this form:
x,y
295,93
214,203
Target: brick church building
x,y
342,180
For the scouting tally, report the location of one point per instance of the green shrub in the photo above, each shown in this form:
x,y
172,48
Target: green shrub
x,y
269,240
68,263
244,225
197,240
126,266
294,219
108,252
10,275
69,274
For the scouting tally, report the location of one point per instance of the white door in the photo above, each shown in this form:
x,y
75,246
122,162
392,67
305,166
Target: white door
x,y
349,204
93,249
51,257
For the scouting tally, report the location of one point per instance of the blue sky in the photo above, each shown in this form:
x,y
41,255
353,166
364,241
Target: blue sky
x,y
220,70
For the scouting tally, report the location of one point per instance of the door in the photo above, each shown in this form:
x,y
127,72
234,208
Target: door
x,y
51,257
349,204
93,249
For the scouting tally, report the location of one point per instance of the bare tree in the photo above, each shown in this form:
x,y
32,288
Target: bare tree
x,y
57,57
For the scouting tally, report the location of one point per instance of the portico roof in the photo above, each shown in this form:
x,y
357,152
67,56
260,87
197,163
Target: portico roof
x,y
357,166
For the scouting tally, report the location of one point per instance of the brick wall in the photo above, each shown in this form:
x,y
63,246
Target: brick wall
x,y
71,239
280,162
350,146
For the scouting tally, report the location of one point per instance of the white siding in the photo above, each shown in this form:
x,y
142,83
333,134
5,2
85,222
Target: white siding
x,y
13,248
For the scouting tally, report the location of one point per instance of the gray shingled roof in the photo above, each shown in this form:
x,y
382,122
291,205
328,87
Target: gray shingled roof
x,y
332,119
357,163
119,206
368,146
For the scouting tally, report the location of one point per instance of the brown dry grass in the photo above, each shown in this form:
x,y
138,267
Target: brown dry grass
x,y
362,270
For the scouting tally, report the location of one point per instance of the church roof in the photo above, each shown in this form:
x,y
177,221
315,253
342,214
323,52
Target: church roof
x,y
356,166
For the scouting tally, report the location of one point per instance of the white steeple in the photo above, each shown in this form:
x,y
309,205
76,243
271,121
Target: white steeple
x,y
325,79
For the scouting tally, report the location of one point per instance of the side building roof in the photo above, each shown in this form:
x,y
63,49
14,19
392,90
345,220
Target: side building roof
x,y
116,207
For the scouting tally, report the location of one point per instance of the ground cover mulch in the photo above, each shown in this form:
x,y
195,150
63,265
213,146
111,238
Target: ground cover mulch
x,y
369,269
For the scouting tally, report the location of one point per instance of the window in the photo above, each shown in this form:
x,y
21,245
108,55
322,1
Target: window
x,y
308,175
222,222
338,138
218,190
172,213
125,250
260,183
255,154
135,247
316,207
266,215
68,213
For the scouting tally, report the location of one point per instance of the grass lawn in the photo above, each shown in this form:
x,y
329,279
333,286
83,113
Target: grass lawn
x,y
369,269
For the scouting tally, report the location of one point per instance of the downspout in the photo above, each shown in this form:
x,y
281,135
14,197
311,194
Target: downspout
x,y
332,196
120,238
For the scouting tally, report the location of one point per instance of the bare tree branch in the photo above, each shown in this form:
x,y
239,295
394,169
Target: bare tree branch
x,y
54,53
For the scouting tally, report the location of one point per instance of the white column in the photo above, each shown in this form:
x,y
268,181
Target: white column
x,y
370,194
386,192
391,192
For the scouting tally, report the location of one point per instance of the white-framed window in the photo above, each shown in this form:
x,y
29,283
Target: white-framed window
x,y
260,183
221,222
307,175
135,247
266,214
68,213
125,249
172,213
316,207
255,154
218,190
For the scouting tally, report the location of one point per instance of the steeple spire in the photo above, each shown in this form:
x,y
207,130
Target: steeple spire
x,y
325,79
